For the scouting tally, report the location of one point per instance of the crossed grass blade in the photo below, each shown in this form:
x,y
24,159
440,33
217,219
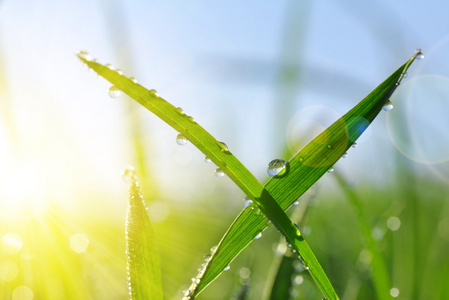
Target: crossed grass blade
x,y
305,168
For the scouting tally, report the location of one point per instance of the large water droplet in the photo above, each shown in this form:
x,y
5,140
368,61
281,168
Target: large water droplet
x,y
247,202
219,172
388,106
114,92
181,139
277,167
258,236
84,54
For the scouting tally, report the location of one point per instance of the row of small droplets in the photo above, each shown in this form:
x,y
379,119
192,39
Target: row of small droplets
x,y
129,175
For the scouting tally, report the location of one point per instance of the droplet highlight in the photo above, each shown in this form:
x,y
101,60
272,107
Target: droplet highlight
x,y
219,172
114,92
181,139
388,106
258,236
277,167
247,202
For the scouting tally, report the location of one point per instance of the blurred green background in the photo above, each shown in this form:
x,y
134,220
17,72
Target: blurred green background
x,y
261,76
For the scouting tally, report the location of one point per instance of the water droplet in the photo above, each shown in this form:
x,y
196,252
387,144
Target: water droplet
x,y
227,268
345,155
154,92
109,66
354,145
247,202
207,159
223,147
219,172
296,203
84,54
128,174
213,249
404,75
277,167
420,55
191,119
179,109
388,106
329,146
330,170
133,79
181,139
207,257
258,236
114,92
120,72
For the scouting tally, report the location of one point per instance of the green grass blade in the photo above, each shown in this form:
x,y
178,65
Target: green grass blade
x,y
304,170
224,159
379,273
144,272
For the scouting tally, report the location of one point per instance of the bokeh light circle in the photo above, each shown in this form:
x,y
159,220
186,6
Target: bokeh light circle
x,y
22,293
419,125
79,242
307,123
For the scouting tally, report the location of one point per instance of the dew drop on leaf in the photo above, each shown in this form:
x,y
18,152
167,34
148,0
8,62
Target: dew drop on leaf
x,y
354,145
219,172
181,139
420,55
224,147
277,167
247,202
388,106
154,92
133,79
258,236
207,160
227,268
114,92
109,66
330,170
120,72
345,155
207,257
